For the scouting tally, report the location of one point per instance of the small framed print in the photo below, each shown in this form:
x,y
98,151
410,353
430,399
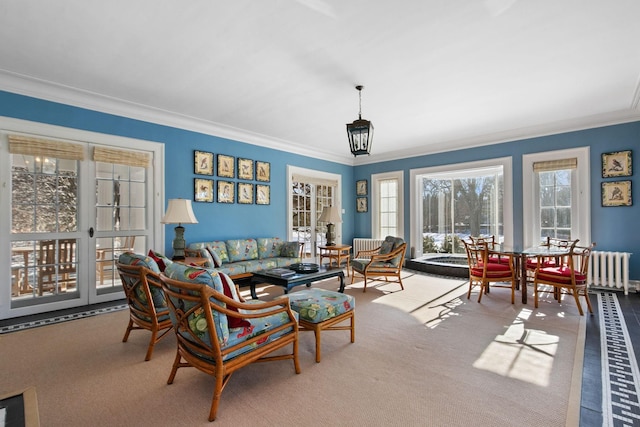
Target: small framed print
x,y
616,193
245,193
616,164
263,194
203,163
226,166
263,171
226,192
361,187
361,204
203,190
245,168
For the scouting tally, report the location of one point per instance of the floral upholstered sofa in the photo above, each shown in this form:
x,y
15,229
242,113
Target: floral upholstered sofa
x,y
239,258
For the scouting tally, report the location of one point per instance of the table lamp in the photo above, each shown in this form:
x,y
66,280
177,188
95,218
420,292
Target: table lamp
x,y
179,212
331,216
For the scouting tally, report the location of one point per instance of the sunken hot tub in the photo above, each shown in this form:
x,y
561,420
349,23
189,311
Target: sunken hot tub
x,y
441,264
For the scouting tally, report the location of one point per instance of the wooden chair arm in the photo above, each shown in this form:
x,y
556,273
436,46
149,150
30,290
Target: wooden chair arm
x,y
368,252
258,309
391,255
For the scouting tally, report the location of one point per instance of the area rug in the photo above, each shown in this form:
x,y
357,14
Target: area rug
x,y
620,374
423,356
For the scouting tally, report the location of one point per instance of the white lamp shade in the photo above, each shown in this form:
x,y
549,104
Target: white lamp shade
x,y
179,211
330,214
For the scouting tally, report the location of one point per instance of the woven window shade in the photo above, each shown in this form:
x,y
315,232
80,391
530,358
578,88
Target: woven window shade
x,y
121,157
27,145
554,165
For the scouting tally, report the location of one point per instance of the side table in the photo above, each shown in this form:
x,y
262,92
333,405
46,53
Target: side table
x,y
193,260
337,253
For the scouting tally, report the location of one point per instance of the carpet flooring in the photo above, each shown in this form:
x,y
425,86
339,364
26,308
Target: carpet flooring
x,y
422,356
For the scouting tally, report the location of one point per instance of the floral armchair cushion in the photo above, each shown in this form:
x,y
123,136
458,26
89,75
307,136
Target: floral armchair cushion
x,y
203,276
132,258
227,336
217,246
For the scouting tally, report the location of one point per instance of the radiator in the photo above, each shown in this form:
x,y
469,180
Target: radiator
x,y
360,244
609,270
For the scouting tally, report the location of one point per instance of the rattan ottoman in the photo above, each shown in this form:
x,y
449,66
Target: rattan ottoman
x,y
321,310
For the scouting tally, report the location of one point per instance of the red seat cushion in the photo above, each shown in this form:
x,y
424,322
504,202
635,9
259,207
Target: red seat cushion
x,y
560,275
494,271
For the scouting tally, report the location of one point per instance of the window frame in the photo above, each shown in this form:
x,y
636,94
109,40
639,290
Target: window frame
x,y
376,180
507,197
581,222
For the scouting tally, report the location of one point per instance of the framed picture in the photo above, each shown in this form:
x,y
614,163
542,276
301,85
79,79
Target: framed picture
x,y
245,168
361,204
616,164
263,171
226,192
616,193
245,193
263,194
203,163
361,187
226,166
203,190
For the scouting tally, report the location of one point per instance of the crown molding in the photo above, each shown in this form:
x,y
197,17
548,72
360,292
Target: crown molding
x,y
582,123
42,89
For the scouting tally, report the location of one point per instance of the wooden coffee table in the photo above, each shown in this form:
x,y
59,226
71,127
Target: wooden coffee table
x,y
288,282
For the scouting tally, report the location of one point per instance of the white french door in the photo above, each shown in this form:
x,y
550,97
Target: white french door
x,y
309,192
74,201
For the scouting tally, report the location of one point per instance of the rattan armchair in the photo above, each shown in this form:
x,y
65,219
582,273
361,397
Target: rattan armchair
x,y
385,261
148,309
217,332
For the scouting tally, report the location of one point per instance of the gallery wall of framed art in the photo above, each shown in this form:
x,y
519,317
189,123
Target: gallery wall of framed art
x,y
232,173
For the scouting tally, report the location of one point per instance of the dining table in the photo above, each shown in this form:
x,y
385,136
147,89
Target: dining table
x,y
520,257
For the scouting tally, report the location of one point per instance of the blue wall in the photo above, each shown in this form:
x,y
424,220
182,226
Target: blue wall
x,y
613,228
216,220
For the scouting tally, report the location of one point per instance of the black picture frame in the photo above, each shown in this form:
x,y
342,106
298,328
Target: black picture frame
x,y
617,163
245,193
226,166
361,204
362,187
203,190
245,169
226,192
263,194
203,162
263,171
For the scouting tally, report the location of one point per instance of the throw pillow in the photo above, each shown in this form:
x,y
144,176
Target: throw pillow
x,y
290,250
158,258
234,322
217,261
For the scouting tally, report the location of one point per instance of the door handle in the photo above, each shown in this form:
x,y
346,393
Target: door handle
x,y
91,232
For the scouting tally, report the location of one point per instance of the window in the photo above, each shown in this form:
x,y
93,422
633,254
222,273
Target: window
x,y
387,211
559,204
452,202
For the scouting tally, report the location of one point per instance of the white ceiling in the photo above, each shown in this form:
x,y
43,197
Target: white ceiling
x,y
438,74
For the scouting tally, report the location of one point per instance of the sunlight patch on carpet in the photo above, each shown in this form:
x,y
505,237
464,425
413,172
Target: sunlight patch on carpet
x,y
520,353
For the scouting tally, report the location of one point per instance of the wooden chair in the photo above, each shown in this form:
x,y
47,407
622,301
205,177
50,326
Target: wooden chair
x,y
551,242
148,309
491,246
56,265
485,269
568,277
219,334
384,261
106,256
